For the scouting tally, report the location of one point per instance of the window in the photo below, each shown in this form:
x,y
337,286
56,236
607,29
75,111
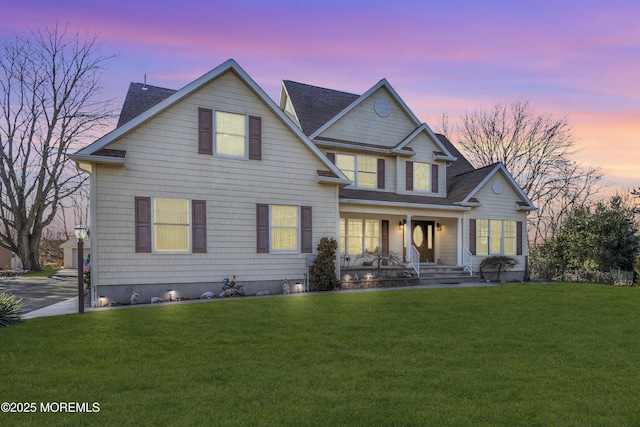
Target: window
x,y
230,134
176,225
362,170
171,225
284,229
358,236
421,176
495,237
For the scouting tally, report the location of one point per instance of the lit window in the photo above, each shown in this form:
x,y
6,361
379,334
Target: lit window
x,y
361,170
495,237
358,236
284,228
421,176
367,172
230,134
171,225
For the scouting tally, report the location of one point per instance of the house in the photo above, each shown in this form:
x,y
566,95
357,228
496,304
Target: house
x,y
70,251
216,179
9,260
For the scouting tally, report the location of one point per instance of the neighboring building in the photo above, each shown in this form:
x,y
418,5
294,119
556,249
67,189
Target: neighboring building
x,y
216,179
70,250
9,260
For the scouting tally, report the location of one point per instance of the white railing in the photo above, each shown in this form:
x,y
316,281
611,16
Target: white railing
x,y
414,260
467,260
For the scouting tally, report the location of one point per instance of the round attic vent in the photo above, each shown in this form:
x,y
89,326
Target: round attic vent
x,y
497,187
382,108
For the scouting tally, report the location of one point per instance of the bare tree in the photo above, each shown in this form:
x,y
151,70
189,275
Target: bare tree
x,y
50,91
539,152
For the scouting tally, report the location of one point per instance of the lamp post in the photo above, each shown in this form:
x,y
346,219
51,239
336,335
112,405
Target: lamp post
x,y
81,234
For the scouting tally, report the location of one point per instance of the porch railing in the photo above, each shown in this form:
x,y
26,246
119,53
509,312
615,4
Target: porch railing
x,y
414,260
467,260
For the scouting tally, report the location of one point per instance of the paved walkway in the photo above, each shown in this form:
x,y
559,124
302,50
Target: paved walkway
x,y
70,306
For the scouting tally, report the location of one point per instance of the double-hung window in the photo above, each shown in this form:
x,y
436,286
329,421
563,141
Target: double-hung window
x,y
171,225
421,176
231,134
284,228
362,170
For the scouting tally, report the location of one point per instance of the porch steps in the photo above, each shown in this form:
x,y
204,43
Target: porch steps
x,y
445,274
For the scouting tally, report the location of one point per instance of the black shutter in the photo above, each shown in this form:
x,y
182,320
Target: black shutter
x,y
381,174
205,131
409,181
255,138
306,230
199,226
143,224
519,238
262,228
434,178
472,236
385,237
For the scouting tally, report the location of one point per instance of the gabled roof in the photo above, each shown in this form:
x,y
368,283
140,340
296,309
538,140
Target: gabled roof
x,y
90,153
467,185
314,106
141,97
381,84
423,128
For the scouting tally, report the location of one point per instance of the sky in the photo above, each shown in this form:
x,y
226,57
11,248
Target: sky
x,y
573,59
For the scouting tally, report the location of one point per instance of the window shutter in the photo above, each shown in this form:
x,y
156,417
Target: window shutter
x,y
381,174
434,178
255,138
409,176
385,237
519,238
472,236
199,226
306,230
143,224
205,131
332,157
262,228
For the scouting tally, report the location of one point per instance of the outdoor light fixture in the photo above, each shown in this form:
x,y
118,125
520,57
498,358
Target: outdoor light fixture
x,y
170,291
438,226
100,300
81,234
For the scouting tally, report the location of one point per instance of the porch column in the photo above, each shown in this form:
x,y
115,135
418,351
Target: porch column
x,y
459,244
407,237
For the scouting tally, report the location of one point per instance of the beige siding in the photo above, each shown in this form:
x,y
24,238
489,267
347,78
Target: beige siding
x,y
163,161
362,124
498,206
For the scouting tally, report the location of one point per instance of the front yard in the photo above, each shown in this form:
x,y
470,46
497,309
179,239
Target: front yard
x,y
515,355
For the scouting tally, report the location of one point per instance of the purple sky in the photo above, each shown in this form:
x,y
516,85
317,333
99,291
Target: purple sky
x,y
574,59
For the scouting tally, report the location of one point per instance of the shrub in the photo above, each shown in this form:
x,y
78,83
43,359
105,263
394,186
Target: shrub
x,y
499,263
322,273
10,309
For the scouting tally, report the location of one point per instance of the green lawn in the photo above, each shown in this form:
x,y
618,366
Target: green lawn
x,y
46,272
515,355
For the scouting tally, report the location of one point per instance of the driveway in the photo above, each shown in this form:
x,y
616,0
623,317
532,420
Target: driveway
x,y
39,292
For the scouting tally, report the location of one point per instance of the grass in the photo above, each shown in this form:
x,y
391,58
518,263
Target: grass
x,y
515,355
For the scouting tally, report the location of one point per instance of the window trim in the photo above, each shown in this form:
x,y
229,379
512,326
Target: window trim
x,y
357,170
188,226
216,153
486,240
363,236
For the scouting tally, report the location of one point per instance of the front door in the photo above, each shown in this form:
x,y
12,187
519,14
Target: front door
x,y
422,239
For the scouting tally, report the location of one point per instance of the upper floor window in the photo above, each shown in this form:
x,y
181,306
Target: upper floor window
x,y
231,134
421,176
362,170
